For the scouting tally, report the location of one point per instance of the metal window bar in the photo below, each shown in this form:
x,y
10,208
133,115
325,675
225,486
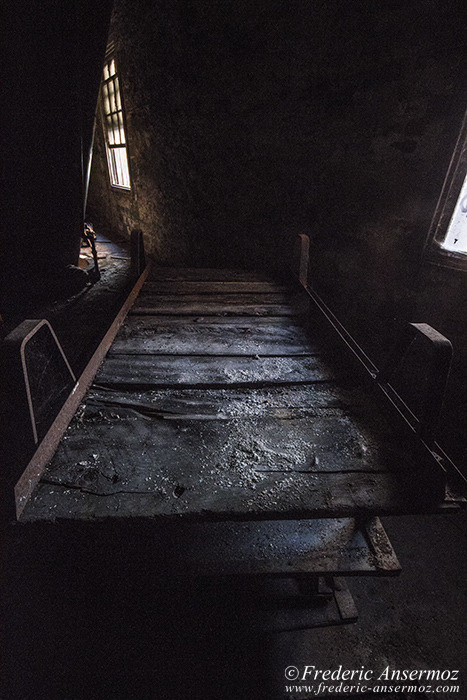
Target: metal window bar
x,y
117,155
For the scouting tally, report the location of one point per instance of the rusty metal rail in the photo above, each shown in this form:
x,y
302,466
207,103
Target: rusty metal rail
x,y
17,342
423,427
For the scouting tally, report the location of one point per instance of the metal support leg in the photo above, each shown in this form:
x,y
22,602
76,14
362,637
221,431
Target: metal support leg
x,y
138,257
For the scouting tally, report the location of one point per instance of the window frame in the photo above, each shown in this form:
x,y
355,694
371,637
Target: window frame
x,y
445,207
110,56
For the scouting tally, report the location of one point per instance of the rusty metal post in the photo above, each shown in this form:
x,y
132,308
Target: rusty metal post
x,y
138,256
301,258
437,376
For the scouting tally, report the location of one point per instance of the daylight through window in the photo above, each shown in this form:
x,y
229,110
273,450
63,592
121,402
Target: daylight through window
x,y
456,236
117,155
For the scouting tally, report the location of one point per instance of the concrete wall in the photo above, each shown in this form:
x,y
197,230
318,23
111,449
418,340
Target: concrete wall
x,y
251,122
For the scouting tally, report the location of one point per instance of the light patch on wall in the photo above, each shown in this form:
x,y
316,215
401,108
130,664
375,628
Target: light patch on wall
x,y
456,236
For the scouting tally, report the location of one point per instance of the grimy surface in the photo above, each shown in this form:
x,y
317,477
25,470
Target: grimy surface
x,y
216,401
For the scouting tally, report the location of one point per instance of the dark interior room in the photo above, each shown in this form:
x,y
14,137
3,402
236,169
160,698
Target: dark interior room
x,y
234,349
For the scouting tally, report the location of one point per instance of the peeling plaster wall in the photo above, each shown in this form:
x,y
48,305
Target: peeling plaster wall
x,y
251,122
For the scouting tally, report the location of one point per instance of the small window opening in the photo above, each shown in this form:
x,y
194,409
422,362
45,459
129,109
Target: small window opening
x,y
456,236
115,139
446,243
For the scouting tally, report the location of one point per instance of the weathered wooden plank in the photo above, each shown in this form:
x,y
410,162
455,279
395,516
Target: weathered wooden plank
x,y
165,433
207,274
149,298
222,304
337,546
201,460
144,335
286,496
109,436
326,399
184,287
216,309
244,321
204,371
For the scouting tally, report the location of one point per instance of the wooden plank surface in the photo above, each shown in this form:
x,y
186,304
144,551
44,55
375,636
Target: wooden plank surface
x,y
207,274
339,546
203,371
149,298
245,321
326,399
144,335
221,304
195,414
184,287
292,496
214,309
223,454
277,441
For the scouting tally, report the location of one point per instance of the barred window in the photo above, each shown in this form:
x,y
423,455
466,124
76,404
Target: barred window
x,y
115,139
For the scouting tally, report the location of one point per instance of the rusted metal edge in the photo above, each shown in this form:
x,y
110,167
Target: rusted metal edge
x,y
20,336
421,428
45,451
429,446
